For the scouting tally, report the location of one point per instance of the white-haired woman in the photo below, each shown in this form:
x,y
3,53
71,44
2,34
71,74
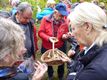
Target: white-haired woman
x,y
88,27
12,49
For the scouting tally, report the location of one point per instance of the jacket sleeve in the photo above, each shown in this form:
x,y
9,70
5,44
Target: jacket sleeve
x,y
35,38
62,30
42,30
89,74
73,43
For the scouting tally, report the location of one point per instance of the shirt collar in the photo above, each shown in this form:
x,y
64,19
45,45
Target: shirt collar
x,y
87,49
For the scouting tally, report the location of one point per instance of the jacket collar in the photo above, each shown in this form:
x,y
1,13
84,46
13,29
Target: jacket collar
x,y
50,18
91,54
14,19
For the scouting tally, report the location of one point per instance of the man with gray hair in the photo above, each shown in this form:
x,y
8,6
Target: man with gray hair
x,y
23,18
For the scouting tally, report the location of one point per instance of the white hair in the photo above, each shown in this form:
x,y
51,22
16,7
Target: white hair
x,y
91,13
11,38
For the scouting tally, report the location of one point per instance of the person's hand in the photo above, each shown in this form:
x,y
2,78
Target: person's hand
x,y
65,58
41,68
53,39
70,53
67,35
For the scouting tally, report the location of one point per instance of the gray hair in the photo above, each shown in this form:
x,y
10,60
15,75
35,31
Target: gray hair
x,y
91,13
11,38
23,6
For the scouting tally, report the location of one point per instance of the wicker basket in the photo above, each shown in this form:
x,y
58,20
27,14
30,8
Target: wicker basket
x,y
52,58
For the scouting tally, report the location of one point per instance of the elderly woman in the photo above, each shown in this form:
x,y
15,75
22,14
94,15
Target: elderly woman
x,y
88,27
12,49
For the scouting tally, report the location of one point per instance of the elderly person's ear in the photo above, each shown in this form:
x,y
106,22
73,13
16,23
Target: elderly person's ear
x,y
88,27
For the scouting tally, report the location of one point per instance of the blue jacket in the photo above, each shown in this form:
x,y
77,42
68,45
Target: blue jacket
x,y
11,73
45,12
91,66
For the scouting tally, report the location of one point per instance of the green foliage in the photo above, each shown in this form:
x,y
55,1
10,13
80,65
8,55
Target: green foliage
x,y
105,1
4,4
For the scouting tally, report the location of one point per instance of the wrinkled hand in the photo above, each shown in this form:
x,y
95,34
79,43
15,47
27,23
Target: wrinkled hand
x,y
53,39
70,53
41,68
65,58
67,35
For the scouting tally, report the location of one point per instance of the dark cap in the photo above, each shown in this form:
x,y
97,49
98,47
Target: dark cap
x,y
61,7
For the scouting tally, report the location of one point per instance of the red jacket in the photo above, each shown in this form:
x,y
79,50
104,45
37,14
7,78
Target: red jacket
x,y
35,38
45,32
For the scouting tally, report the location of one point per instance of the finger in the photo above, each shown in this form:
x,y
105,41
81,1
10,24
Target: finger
x,y
61,58
35,67
37,64
65,58
44,64
45,67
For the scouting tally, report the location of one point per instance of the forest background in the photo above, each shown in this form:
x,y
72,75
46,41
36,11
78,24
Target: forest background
x,y
4,4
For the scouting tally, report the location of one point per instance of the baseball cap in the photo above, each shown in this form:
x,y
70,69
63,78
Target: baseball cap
x,y
61,7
